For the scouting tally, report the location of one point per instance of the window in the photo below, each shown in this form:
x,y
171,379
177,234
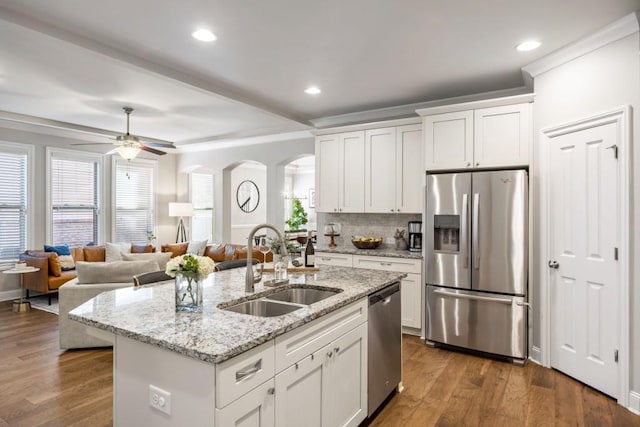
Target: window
x,y
202,200
14,220
74,198
134,200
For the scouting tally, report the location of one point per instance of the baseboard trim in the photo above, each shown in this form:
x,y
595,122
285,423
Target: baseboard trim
x,y
535,355
10,295
634,402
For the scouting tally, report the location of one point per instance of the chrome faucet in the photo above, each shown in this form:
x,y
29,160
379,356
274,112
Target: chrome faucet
x,y
249,281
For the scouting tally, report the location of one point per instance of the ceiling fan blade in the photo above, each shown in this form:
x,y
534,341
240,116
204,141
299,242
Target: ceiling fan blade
x,y
160,144
93,143
114,151
152,150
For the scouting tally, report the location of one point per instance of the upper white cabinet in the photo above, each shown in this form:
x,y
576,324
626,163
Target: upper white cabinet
x,y
340,172
393,169
494,136
370,168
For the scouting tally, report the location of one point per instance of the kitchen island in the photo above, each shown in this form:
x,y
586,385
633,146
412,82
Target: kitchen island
x,y
218,367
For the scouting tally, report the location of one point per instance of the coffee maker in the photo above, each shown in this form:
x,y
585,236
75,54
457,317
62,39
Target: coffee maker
x,y
415,236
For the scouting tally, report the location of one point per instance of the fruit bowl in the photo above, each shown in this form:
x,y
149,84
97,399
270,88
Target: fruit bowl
x,y
366,242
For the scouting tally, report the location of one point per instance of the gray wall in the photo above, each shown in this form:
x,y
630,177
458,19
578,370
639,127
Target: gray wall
x,y
597,82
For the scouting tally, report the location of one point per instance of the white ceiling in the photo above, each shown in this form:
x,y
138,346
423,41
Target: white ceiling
x,y
80,61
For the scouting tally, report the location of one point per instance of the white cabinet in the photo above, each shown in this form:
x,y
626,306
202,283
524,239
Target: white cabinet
x,y
393,169
328,387
410,289
254,409
498,136
340,172
321,370
339,260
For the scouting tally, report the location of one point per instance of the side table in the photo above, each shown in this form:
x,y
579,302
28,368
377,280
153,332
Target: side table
x,y
21,305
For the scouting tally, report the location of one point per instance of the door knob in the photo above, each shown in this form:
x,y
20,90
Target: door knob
x,y
554,264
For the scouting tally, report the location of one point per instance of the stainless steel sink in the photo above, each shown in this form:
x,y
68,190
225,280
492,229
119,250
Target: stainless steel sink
x,y
263,308
305,296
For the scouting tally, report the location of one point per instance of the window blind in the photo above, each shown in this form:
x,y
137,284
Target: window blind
x,y
13,205
202,200
134,207
74,201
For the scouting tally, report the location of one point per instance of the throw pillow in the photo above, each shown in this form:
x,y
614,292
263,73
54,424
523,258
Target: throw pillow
x,y
113,272
55,269
142,248
176,249
160,257
66,262
113,252
60,249
94,253
197,248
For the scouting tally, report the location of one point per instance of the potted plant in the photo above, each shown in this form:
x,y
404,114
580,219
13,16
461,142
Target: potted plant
x,y
298,217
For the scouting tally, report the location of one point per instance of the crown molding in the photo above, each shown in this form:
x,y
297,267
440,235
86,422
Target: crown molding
x,y
615,31
408,110
483,103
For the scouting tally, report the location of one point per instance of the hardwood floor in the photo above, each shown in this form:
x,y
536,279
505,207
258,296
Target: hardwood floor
x,y
41,385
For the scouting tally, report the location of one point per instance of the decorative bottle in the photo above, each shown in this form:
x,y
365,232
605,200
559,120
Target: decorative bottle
x,y
309,253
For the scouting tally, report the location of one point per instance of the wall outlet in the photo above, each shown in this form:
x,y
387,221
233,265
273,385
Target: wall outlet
x,y
160,399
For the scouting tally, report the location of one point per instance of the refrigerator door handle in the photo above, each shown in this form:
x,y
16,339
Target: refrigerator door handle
x,y
475,227
464,232
473,297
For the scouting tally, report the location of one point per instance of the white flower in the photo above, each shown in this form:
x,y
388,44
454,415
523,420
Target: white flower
x,y
203,265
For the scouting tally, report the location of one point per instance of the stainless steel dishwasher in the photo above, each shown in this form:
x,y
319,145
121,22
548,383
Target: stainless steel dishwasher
x,y
385,345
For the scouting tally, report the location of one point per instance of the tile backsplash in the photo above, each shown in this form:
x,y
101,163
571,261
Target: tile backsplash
x,y
365,224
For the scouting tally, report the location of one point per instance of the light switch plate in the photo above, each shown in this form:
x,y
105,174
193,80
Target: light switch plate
x,y
160,399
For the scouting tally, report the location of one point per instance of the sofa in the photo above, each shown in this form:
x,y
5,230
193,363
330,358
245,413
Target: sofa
x,y
51,275
93,279
218,252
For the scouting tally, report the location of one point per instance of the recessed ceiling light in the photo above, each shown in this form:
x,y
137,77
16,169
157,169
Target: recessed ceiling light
x,y
204,35
313,90
528,45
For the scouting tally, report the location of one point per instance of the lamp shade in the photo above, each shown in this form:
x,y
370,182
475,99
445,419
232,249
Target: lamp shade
x,y
180,209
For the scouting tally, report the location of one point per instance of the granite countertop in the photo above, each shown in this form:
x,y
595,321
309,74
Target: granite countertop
x,y
383,250
147,313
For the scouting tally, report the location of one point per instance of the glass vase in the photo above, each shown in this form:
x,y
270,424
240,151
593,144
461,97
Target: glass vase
x,y
188,293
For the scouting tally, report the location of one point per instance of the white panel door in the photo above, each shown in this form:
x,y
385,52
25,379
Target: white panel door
x,y
380,170
411,298
584,290
351,172
345,391
254,409
328,173
409,169
299,392
448,140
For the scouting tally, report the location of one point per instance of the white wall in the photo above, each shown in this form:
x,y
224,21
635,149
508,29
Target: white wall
x,y
274,155
597,82
165,226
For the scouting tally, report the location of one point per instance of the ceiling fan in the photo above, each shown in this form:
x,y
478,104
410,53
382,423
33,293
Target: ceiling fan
x,y
128,146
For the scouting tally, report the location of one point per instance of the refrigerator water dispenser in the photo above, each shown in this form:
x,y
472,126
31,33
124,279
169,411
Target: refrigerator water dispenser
x,y
446,233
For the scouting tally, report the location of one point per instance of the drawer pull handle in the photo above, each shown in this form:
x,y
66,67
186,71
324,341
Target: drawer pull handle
x,y
326,259
336,350
329,354
271,390
297,366
386,263
248,373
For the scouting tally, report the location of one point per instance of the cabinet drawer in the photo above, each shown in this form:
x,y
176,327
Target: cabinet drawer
x,y
238,375
402,265
301,342
339,260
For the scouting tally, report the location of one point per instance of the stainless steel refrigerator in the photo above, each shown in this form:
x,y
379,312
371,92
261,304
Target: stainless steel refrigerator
x,y
476,251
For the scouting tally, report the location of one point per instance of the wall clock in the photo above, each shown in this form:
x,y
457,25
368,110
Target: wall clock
x,y
247,196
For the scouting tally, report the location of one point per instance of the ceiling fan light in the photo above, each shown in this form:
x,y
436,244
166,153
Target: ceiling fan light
x,y
128,152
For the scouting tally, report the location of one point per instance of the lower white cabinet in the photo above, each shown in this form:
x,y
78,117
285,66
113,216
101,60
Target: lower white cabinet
x,y
410,289
254,409
338,260
328,387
